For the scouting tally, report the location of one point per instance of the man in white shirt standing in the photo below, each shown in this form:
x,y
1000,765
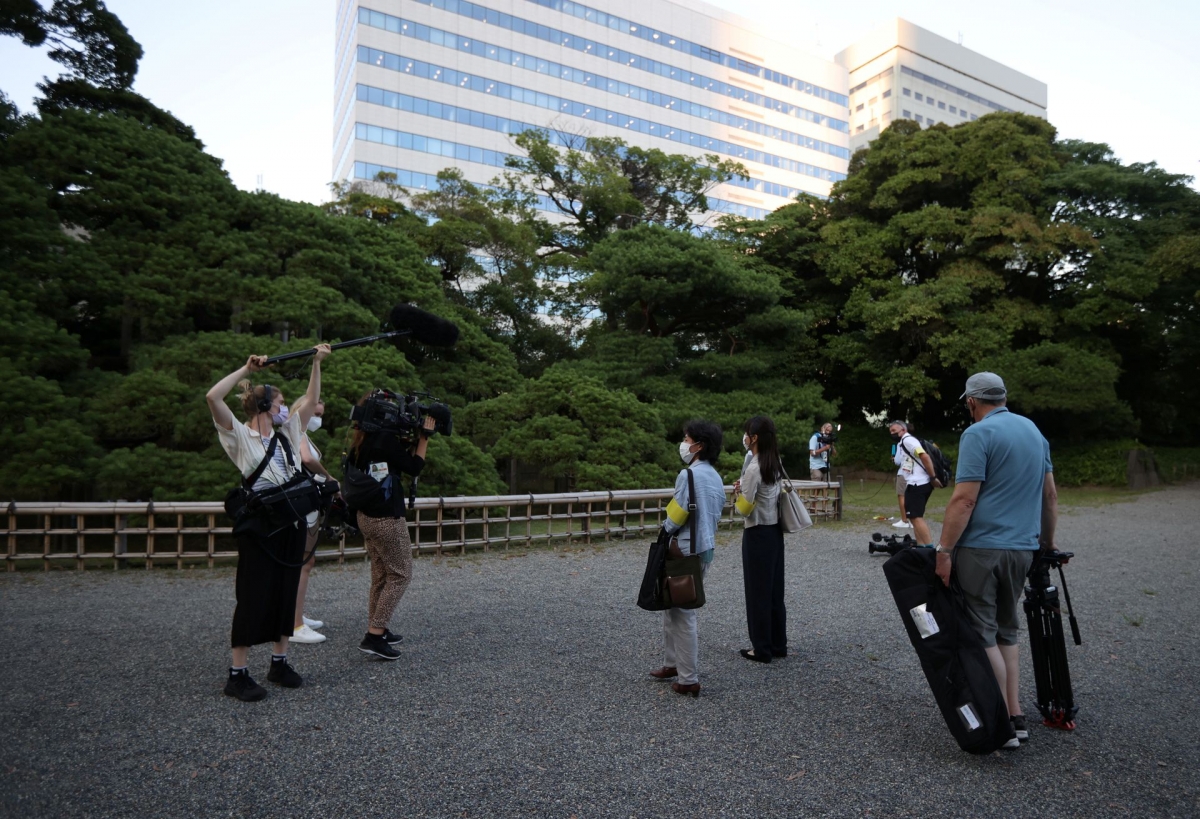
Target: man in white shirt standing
x,y
917,468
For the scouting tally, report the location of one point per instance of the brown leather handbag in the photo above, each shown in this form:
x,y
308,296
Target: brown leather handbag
x,y
683,575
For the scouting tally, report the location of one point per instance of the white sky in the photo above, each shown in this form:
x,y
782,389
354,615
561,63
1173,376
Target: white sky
x,y
255,78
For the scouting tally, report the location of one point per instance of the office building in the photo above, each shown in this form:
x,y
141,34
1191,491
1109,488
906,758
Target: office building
x,y
427,84
903,71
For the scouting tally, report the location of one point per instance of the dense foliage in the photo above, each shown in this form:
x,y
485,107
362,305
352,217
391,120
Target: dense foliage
x,y
133,275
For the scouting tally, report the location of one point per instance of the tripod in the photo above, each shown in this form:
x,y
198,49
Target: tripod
x,y
1047,643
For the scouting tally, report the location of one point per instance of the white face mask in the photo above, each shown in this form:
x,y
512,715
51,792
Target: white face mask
x,y
314,423
685,452
746,442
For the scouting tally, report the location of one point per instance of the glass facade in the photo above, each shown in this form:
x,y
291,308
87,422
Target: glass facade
x,y
369,171
488,122
539,65
650,35
484,85
397,25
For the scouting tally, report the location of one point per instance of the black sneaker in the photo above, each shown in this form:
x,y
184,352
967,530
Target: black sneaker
x,y
1019,727
392,639
282,673
244,688
377,645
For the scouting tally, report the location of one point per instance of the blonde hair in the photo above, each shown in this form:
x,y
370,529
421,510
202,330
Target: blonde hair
x,y
250,395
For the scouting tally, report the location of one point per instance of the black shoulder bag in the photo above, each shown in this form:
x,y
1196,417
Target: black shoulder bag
x,y
673,580
265,513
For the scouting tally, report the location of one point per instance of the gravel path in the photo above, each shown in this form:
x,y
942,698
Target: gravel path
x,y
523,692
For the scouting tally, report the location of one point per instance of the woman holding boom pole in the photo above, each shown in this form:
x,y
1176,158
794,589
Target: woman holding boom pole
x,y
268,569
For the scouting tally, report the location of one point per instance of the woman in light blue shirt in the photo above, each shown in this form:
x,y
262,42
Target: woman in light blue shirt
x,y
699,450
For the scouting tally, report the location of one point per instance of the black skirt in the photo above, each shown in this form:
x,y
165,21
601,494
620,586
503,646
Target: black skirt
x,y
266,590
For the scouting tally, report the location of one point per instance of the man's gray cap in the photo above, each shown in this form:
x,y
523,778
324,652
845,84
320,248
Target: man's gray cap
x,y
988,386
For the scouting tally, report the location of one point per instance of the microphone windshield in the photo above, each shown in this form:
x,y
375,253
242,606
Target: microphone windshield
x,y
426,327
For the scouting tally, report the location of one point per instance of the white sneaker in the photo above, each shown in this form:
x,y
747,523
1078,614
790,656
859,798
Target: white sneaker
x,y
304,634
902,524
311,623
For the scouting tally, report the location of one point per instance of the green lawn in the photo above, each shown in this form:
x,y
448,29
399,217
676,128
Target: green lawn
x,y
864,503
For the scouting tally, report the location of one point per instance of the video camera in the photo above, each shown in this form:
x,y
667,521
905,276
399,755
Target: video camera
x,y
889,543
403,415
829,438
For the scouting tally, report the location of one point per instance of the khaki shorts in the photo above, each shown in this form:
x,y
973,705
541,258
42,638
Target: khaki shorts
x,y
818,474
901,485
992,581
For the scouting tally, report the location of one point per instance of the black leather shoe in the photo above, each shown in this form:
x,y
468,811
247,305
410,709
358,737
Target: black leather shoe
x,y
749,654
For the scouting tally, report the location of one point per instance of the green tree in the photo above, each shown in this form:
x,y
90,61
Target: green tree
x,y
601,184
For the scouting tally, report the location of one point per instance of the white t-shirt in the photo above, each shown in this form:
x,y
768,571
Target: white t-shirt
x,y
246,448
911,468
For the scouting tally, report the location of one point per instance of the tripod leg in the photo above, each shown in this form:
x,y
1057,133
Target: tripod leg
x,y
1034,616
1060,674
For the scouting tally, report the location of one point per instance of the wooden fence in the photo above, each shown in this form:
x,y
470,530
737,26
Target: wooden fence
x,y
83,535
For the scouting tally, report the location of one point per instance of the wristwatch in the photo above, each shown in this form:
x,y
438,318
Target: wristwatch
x,y
942,550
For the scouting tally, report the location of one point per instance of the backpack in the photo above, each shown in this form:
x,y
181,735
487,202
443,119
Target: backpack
x,y
943,467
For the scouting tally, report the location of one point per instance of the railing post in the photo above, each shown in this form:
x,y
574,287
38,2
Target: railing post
x,y
150,535
12,536
120,540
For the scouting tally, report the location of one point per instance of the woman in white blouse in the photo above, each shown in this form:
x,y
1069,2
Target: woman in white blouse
x,y
268,570
756,498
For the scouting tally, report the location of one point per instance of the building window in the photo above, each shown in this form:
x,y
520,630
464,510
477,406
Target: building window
x,y
860,129
930,101
873,100
860,107
920,118
906,114
907,93
973,116
962,113
953,110
942,105
920,98
887,93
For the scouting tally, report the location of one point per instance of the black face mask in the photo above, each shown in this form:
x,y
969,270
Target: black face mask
x,y
896,437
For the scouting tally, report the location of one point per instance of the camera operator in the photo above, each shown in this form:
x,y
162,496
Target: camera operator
x,y
1004,507
820,447
268,568
385,455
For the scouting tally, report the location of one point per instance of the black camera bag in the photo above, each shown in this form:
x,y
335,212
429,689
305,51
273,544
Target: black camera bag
x,y
264,513
361,491
952,657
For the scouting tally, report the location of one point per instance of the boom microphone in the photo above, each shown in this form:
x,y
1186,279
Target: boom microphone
x,y
426,328
407,321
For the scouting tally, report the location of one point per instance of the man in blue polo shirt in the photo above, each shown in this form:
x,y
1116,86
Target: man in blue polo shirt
x,y
1004,509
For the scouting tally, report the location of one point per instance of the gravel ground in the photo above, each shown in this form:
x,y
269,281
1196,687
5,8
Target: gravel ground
x,y
523,692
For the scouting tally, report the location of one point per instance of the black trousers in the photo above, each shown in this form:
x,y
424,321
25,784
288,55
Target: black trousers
x,y
762,571
266,590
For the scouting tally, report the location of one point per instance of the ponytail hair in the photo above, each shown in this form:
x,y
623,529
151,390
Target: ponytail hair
x,y
769,464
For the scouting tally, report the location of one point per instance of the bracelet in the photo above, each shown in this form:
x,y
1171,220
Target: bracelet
x,y
941,550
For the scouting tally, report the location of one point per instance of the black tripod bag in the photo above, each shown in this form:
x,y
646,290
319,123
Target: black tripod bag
x,y
951,652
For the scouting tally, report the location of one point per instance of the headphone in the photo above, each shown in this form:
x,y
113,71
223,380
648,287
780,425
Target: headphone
x,y
264,403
